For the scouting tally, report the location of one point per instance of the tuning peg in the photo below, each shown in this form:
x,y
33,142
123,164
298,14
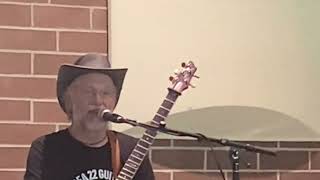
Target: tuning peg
x,y
183,64
177,71
196,76
171,78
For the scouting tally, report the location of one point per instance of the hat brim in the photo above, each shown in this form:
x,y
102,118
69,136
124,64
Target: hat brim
x,y
67,73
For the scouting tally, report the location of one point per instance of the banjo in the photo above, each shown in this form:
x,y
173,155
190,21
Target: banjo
x,y
179,82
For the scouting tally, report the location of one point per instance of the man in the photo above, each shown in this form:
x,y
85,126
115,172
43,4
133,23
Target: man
x,y
86,150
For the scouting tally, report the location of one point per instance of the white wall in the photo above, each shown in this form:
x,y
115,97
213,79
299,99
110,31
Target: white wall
x,y
257,53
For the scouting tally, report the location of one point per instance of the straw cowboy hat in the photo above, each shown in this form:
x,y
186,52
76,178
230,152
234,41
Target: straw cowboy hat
x,y
89,63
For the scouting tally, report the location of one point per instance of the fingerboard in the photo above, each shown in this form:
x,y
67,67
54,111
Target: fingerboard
x,y
136,157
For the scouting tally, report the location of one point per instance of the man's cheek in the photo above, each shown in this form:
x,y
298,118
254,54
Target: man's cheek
x,y
110,103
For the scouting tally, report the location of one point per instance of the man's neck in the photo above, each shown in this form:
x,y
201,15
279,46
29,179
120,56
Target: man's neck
x,y
87,137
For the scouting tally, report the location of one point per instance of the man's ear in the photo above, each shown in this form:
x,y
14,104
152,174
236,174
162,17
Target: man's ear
x,y
68,103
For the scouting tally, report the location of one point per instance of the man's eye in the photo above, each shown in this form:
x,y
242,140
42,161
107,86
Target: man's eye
x,y
88,92
106,93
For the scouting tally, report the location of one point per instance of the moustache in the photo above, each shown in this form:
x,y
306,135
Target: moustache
x,y
95,110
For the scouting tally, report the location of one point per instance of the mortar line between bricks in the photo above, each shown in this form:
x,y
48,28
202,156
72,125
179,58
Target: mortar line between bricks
x,y
181,148
244,171
55,5
29,76
14,146
28,99
32,63
258,161
309,160
12,169
193,170
150,155
71,6
188,148
32,15
57,41
43,52
225,148
298,149
171,143
205,159
32,111
34,123
91,18
284,171
35,28
109,31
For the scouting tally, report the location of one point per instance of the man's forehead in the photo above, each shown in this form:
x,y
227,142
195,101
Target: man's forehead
x,y
92,78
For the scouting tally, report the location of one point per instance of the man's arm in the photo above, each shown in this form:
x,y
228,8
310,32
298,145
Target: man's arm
x,y
34,161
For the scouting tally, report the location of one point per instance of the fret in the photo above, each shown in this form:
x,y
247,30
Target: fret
x,y
128,171
151,133
163,117
125,175
165,108
163,112
141,148
138,154
147,137
133,166
149,143
146,134
173,95
132,155
134,150
144,144
167,104
120,177
155,122
158,118
133,162
169,100
132,169
137,160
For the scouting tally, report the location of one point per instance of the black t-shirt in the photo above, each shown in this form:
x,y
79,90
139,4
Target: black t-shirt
x,y
58,156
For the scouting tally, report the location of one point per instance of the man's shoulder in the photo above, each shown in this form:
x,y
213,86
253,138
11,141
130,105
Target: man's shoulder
x,y
61,132
54,135
123,135
126,141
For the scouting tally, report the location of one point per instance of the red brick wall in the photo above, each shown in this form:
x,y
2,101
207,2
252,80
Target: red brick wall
x,y
36,36
190,160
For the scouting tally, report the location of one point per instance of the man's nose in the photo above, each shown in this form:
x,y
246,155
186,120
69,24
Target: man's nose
x,y
99,99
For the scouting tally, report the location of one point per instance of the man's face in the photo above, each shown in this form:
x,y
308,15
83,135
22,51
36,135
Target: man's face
x,y
88,93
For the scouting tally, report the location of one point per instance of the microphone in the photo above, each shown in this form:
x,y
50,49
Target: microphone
x,y
107,115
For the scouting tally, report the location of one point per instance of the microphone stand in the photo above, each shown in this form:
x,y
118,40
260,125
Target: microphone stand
x,y
234,151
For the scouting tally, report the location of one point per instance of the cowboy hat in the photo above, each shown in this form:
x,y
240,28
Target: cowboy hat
x,y
89,63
